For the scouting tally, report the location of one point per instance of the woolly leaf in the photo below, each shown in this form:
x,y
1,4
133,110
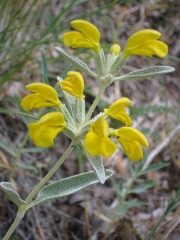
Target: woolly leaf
x,y
98,166
146,73
67,186
8,188
77,63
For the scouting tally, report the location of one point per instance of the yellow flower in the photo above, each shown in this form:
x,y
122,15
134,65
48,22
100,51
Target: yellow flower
x,y
88,37
117,111
131,141
145,43
73,84
43,96
43,132
115,49
96,140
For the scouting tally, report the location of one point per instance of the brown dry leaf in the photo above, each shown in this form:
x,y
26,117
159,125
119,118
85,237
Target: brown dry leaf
x,y
121,165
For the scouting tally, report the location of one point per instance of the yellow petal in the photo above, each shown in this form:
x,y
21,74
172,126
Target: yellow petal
x,y
29,101
120,103
35,101
100,126
91,140
142,36
108,147
96,141
132,149
117,111
46,129
73,84
43,96
96,145
131,141
44,90
151,48
88,29
132,134
77,40
145,43
88,37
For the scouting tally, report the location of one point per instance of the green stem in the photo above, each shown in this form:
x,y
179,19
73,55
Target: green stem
x,y
13,226
21,212
126,192
51,172
81,167
93,106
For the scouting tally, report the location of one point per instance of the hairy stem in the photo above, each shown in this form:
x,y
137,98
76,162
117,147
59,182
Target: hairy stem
x,y
24,208
51,172
93,106
13,226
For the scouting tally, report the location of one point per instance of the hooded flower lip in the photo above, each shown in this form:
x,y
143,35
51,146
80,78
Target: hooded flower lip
x,y
117,111
96,141
131,141
43,132
87,37
146,43
73,84
43,96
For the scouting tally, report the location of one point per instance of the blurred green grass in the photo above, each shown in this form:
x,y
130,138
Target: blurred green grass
x,y
27,27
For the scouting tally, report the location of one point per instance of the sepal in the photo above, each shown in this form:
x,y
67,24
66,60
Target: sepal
x,y
67,116
76,108
80,113
109,61
100,62
117,65
85,127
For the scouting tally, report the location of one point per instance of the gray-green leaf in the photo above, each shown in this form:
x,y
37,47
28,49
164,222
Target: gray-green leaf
x,y
76,62
8,188
146,73
98,166
67,186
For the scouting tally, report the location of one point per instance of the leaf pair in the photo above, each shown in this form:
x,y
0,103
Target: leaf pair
x,y
55,190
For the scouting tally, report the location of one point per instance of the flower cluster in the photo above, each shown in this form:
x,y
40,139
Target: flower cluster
x,y
93,133
143,43
46,129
